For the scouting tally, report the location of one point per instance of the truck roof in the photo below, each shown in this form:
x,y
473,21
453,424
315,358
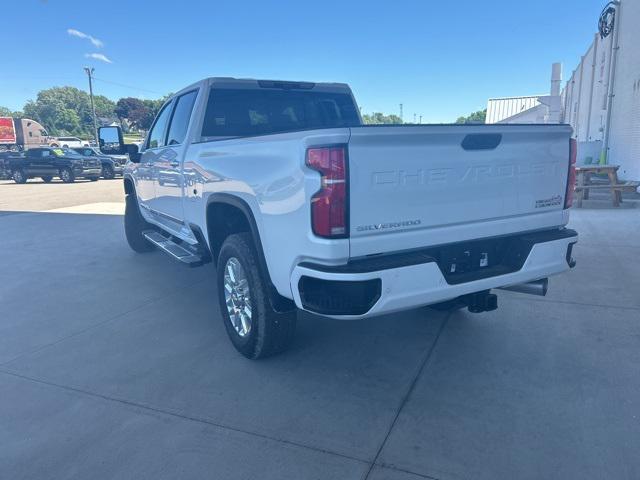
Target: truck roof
x,y
263,83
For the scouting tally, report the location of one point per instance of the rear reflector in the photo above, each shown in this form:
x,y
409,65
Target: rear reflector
x,y
571,176
329,204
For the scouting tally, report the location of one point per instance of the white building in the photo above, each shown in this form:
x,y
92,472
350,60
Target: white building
x,y
529,109
601,99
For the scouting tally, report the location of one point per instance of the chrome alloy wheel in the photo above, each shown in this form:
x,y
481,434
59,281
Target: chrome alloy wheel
x,y
237,296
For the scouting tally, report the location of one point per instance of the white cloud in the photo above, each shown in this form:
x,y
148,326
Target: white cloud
x,y
98,56
76,33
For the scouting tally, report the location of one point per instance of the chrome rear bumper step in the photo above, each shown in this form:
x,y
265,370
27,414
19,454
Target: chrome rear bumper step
x,y
173,249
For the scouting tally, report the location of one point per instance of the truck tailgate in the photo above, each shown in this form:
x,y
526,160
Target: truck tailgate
x,y
418,186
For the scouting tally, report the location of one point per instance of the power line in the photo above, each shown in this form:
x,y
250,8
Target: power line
x,y
128,86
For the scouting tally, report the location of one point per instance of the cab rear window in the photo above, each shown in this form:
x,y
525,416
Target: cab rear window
x,y
247,112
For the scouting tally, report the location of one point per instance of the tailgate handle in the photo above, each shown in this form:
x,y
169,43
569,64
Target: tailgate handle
x,y
481,141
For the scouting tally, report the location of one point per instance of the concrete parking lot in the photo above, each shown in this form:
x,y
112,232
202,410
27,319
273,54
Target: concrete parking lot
x,y
117,365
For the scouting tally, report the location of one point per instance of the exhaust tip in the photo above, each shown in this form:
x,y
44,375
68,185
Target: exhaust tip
x,y
537,287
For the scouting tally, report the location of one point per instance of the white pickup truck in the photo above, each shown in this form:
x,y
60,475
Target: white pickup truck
x,y
303,207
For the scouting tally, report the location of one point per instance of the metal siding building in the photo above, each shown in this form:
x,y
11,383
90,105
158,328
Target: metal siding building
x,y
585,96
624,146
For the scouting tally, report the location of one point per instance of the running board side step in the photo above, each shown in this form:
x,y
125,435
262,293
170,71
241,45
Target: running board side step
x,y
173,249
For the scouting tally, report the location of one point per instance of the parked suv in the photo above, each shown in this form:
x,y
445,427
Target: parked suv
x,y
68,142
47,162
112,165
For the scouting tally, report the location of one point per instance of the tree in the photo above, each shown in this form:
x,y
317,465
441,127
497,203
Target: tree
x,y
67,110
135,112
476,117
6,112
377,118
139,113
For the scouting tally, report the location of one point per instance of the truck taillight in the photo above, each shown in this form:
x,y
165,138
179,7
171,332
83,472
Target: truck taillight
x,y
329,204
571,176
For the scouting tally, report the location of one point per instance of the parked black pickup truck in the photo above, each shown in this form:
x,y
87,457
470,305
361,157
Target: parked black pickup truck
x,y
47,162
112,165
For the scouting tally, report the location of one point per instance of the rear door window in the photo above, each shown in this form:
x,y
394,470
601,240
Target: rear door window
x,y
246,112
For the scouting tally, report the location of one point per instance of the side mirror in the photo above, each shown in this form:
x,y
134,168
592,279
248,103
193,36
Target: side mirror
x,y
132,151
110,140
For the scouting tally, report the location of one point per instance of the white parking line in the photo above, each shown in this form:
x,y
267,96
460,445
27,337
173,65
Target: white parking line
x,y
100,208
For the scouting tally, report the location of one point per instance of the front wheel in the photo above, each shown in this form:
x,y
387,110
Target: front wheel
x,y
67,176
107,172
94,179
19,176
254,327
134,225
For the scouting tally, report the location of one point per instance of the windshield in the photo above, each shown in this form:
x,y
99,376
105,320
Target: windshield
x,y
87,152
67,152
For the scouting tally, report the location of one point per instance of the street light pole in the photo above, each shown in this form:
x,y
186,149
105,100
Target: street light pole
x,y
89,72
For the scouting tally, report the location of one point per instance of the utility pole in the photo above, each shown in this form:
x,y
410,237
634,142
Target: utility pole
x,y
89,71
414,118
401,116
420,119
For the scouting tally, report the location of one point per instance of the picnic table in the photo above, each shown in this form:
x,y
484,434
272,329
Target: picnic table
x,y
584,183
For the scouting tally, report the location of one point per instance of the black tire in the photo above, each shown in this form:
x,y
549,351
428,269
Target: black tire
x,y
19,176
47,178
94,179
271,332
67,176
107,172
134,225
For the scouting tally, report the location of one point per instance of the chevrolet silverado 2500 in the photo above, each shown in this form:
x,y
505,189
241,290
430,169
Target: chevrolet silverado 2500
x,y
303,207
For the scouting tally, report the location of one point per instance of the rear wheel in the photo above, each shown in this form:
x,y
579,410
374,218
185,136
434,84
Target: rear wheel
x,y
47,178
254,327
134,225
19,176
107,172
67,176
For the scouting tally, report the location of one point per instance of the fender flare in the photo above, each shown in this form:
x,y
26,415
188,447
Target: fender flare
x,y
128,184
278,302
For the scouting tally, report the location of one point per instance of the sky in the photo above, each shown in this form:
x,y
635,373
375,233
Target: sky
x,y
440,59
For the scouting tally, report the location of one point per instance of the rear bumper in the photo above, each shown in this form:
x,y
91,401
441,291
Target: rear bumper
x,y
389,284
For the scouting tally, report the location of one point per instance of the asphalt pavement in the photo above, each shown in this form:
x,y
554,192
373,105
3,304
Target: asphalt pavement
x,y
117,365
